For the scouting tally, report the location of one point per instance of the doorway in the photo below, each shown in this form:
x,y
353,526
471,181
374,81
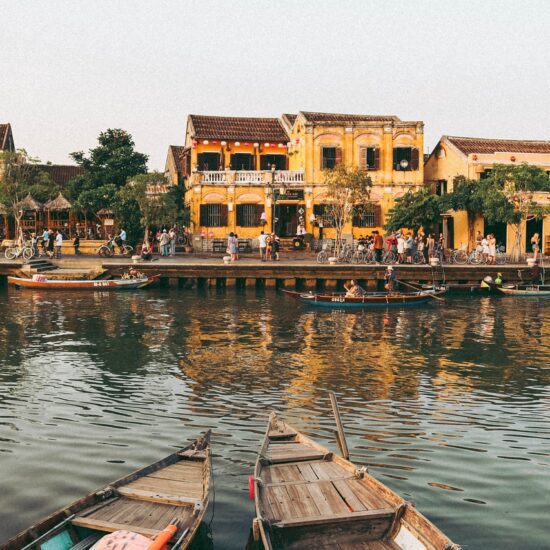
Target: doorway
x,y
533,226
287,215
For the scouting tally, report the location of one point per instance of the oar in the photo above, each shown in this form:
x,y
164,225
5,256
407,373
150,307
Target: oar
x,y
416,288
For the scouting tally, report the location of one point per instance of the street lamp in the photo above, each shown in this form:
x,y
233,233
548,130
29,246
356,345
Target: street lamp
x,y
274,199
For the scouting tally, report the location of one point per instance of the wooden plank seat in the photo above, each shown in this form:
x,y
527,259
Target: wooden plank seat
x,y
154,496
274,435
110,526
366,515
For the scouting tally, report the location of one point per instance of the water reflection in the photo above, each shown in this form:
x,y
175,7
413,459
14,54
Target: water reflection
x,y
447,403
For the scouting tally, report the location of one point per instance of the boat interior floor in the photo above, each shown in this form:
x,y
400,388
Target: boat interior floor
x,y
149,503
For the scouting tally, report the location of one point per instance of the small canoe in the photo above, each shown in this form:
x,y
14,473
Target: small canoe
x,y
83,284
307,497
144,502
370,299
524,290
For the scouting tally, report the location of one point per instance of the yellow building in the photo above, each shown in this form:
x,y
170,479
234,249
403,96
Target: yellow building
x,y
474,158
242,172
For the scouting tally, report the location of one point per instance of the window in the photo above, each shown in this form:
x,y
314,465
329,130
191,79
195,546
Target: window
x,y
266,161
441,187
242,161
213,215
330,157
405,158
208,161
323,212
369,158
248,215
367,215
485,174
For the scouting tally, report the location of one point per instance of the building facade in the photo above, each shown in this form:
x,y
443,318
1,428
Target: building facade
x,y
474,158
247,173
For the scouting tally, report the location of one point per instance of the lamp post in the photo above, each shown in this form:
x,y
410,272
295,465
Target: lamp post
x,y
404,163
274,199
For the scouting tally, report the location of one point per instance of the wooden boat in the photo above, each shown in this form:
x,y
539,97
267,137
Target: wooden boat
x,y
370,299
144,502
97,285
524,290
307,497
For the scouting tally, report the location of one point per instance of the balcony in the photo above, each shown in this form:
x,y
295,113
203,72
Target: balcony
x,y
247,177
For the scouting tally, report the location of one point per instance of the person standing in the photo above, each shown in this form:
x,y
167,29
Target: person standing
x,y
535,245
378,246
263,246
232,246
390,279
430,242
274,247
76,244
172,237
45,239
164,241
400,248
409,248
58,244
492,249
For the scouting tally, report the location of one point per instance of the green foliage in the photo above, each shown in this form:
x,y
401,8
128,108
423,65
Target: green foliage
x,y
107,168
415,211
137,210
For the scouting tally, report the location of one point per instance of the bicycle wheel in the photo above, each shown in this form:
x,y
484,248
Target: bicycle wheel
x,y
501,258
418,258
322,257
357,258
475,258
28,253
128,250
10,253
460,257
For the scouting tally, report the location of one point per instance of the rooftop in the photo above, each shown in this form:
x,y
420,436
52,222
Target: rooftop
x,y
60,174
238,128
177,151
469,145
6,138
346,119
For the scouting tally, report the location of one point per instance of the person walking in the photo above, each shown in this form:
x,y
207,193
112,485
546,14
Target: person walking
x,y
164,241
58,244
263,246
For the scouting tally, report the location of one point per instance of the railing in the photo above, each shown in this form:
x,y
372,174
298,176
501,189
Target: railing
x,y
219,176
249,176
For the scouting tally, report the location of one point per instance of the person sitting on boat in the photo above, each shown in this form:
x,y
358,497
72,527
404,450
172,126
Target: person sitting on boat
x,y
536,273
391,279
353,290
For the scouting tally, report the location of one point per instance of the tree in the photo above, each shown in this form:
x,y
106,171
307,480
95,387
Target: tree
x,y
466,196
348,192
106,169
20,177
414,211
135,206
508,196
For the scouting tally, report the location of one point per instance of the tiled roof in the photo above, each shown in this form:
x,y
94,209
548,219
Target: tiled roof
x,y
60,174
346,119
238,128
291,118
5,132
470,145
177,151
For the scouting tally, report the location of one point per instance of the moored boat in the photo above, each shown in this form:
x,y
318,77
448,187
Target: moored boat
x,y
42,283
307,497
524,290
172,491
370,299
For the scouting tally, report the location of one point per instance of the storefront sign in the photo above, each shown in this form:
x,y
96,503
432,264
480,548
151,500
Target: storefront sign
x,y
289,195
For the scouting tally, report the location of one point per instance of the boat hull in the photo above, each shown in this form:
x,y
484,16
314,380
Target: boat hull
x,y
371,300
307,497
176,487
539,291
96,285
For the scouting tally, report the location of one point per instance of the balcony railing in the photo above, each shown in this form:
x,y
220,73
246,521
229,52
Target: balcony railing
x,y
247,177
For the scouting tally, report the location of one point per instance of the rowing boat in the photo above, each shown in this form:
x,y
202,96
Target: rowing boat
x,y
144,502
307,497
524,290
370,299
83,284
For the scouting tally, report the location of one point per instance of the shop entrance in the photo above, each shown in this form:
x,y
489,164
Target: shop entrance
x,y
287,215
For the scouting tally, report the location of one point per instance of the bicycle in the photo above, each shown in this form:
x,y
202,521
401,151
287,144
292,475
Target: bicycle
x,y
16,251
107,250
418,258
460,256
358,256
323,255
389,257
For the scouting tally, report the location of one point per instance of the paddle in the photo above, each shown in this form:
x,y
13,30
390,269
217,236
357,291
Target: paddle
x,y
416,288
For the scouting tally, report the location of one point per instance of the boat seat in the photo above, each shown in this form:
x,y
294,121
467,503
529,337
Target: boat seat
x,y
382,513
109,526
86,543
153,496
267,460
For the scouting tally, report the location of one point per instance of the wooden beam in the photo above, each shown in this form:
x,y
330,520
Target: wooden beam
x,y
110,527
151,496
336,518
341,437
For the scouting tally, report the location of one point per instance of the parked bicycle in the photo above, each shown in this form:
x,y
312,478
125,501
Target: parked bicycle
x,y
107,250
13,252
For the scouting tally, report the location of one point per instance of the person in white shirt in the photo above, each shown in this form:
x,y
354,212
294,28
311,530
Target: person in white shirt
x,y
45,239
401,248
58,244
263,246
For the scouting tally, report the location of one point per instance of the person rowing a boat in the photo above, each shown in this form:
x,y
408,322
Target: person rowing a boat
x,y
353,290
391,279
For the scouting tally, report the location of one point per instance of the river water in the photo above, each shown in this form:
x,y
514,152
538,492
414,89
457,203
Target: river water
x,y
448,404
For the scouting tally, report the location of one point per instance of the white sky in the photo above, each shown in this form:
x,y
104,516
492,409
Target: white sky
x,y
70,69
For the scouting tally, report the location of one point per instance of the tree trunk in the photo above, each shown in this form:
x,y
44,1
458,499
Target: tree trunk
x,y
471,230
516,249
146,237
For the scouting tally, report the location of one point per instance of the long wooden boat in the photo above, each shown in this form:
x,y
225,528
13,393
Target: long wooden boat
x,y
144,502
307,497
97,285
524,290
370,299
